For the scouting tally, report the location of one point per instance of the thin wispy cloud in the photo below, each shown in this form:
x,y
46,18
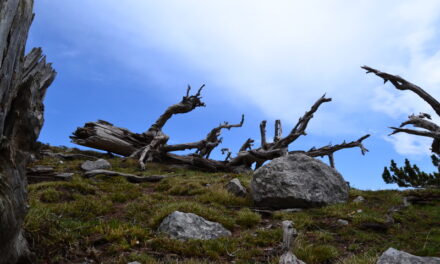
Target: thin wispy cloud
x,y
284,54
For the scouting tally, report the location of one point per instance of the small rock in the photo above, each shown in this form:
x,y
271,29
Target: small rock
x,y
291,210
359,199
100,164
405,201
235,187
359,211
342,222
183,226
67,176
134,262
394,256
41,170
389,219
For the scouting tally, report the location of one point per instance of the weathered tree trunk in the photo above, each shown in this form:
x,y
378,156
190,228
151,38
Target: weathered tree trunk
x,y
23,83
151,145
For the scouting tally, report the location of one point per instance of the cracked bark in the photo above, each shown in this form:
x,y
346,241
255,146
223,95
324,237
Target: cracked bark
x,y
151,145
23,84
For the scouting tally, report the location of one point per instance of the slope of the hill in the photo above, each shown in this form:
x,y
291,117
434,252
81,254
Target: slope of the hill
x,y
110,220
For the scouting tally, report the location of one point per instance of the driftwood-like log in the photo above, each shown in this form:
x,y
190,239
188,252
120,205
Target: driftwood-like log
x,y
429,128
105,136
130,177
151,145
23,84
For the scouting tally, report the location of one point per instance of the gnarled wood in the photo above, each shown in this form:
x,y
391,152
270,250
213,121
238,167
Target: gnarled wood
x,y
429,128
151,145
23,84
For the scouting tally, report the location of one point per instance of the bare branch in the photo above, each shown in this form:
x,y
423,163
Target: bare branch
x,y
247,145
403,84
263,134
188,103
331,160
212,140
330,149
301,126
415,132
227,152
147,153
420,122
200,90
278,131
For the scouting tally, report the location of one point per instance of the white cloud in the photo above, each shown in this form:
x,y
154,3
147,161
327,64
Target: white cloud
x,y
405,144
282,55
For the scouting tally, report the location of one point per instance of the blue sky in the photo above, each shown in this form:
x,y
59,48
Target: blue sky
x,y
126,61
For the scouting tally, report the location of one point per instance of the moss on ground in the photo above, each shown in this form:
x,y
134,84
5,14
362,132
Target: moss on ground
x,y
110,220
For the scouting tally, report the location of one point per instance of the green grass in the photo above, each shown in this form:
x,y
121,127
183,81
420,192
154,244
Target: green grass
x,y
110,220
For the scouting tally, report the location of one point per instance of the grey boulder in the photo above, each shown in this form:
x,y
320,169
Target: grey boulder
x,y
100,164
235,187
359,199
394,256
297,180
184,226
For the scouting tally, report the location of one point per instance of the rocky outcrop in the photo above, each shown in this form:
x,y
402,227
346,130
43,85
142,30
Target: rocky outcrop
x,y
100,164
297,180
235,187
394,256
45,173
184,226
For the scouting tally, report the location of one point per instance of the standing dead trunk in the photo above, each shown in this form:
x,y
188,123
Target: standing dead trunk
x,y
23,83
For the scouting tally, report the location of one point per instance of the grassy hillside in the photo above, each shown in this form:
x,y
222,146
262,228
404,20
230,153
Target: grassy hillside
x,y
109,220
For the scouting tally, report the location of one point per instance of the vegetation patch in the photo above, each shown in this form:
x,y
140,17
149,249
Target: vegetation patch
x,y
110,220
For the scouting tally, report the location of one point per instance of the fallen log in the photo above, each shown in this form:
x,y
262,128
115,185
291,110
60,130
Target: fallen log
x,y
152,144
130,177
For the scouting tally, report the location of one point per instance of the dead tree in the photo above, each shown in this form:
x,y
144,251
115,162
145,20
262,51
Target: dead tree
x,y
152,144
411,176
23,84
422,120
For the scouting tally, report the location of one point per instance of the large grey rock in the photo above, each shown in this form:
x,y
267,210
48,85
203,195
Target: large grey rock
x,y
235,187
297,180
185,226
394,256
100,164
